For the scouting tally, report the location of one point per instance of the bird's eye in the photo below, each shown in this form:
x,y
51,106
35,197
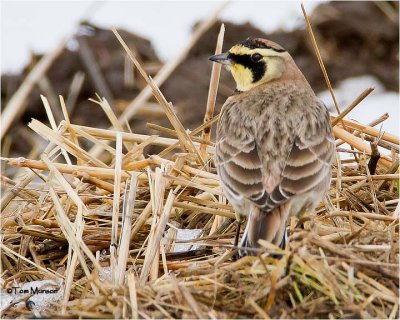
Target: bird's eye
x,y
256,57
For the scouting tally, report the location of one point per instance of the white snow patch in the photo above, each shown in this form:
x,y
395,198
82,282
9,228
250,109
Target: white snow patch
x,y
372,107
106,276
168,24
185,235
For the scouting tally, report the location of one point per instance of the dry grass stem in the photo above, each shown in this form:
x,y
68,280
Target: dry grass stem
x,y
16,104
213,90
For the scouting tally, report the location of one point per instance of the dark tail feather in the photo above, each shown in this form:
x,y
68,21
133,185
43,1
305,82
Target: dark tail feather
x,y
269,226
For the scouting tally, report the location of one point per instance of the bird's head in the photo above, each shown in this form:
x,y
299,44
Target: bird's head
x,y
255,61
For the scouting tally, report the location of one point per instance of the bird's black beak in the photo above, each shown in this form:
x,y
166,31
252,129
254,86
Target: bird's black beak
x,y
222,58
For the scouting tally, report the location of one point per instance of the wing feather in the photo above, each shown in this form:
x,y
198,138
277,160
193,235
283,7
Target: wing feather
x,y
243,163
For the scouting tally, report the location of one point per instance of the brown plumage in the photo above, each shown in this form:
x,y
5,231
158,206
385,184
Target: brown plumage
x,y
274,143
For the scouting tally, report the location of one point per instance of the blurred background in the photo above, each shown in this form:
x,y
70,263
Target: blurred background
x,y
359,43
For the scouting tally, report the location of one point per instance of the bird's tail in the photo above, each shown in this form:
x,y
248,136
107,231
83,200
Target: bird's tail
x,y
269,226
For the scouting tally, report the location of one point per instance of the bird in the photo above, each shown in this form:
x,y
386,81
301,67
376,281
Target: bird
x,y
274,142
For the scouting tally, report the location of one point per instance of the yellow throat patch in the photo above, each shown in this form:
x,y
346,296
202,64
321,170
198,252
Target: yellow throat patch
x,y
243,77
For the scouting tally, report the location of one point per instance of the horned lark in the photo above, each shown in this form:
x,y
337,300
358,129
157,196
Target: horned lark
x,y
274,141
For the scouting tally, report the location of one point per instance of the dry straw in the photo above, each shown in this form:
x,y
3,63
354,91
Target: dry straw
x,y
109,228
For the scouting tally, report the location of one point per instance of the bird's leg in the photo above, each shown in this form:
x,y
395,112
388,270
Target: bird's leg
x,y
301,214
236,243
